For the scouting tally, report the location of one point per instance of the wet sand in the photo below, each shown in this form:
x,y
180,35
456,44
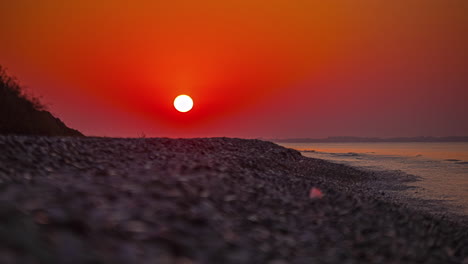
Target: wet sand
x,y
214,200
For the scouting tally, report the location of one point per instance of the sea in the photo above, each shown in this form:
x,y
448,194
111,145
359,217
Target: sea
x,y
441,167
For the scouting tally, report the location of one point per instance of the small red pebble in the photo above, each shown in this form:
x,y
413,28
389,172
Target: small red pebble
x,y
41,218
315,193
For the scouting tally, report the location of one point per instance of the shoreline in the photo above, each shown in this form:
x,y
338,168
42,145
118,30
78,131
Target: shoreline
x,y
208,200
396,186
423,189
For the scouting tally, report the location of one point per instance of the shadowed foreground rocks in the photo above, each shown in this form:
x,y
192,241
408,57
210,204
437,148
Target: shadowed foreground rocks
x,y
217,200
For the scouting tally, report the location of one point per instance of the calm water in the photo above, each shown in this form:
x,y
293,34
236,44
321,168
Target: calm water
x,y
443,167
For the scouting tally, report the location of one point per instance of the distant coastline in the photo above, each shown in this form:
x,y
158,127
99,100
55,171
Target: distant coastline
x,y
345,139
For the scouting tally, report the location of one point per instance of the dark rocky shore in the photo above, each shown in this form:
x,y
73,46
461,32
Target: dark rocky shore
x,y
218,200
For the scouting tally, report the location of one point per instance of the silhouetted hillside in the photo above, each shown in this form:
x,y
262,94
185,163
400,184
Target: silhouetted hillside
x,y
22,114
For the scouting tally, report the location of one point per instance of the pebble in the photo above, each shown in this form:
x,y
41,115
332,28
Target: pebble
x,y
315,193
207,200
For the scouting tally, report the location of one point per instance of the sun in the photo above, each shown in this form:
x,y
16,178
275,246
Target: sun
x,y
183,103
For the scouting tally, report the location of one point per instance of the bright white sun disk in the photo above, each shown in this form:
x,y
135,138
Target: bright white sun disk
x,y
183,103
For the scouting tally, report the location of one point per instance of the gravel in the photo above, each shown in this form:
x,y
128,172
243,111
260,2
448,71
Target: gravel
x,y
210,200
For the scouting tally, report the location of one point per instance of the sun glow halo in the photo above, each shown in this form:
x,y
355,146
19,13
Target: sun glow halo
x,y
183,103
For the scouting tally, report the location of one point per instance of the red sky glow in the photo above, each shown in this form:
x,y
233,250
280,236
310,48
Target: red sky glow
x,y
272,69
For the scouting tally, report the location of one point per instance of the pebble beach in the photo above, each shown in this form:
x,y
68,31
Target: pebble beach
x,y
207,200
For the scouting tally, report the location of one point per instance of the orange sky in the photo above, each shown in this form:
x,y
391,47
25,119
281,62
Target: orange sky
x,y
254,68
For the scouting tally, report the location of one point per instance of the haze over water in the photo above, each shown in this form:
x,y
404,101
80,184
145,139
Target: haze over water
x,y
441,166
